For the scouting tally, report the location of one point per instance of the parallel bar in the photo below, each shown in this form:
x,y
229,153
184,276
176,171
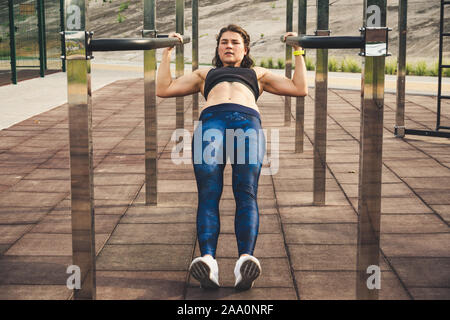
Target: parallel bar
x,y
150,111
428,133
401,68
179,64
288,64
127,44
300,101
370,166
81,157
195,55
326,42
12,42
320,105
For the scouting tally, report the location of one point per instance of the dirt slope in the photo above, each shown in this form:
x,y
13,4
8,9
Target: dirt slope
x,y
265,22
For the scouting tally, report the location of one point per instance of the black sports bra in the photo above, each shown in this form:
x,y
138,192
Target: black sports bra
x,y
245,76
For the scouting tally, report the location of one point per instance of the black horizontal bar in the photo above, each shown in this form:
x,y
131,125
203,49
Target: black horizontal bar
x,y
443,97
427,133
132,44
445,34
445,66
443,127
321,42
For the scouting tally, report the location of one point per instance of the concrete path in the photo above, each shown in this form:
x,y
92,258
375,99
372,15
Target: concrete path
x,y
143,252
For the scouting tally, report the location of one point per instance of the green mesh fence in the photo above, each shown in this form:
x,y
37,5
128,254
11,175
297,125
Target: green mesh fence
x,y
5,65
27,33
52,36
26,30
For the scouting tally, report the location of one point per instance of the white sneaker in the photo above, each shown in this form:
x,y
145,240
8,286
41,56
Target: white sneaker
x,y
247,269
206,271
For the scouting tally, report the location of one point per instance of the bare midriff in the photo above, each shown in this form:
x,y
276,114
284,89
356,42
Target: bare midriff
x,y
230,92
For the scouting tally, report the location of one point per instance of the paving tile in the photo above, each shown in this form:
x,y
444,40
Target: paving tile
x,y
321,233
323,257
30,199
403,205
43,244
155,285
155,214
332,285
57,186
443,211
313,214
34,292
232,294
150,257
170,233
49,174
63,224
11,233
430,293
332,198
33,270
105,179
423,272
421,223
302,185
421,245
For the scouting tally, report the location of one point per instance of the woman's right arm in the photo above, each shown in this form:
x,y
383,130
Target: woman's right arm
x,y
167,87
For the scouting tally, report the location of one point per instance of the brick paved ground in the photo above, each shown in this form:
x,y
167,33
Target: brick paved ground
x,y
144,252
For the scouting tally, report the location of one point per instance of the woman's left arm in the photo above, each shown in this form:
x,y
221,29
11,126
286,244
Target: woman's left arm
x,y
281,85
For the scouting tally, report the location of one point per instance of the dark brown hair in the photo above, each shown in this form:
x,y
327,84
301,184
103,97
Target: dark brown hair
x,y
247,62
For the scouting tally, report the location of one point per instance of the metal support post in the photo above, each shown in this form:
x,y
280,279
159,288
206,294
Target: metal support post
x,y
371,142
179,68
150,111
320,116
288,64
12,42
80,136
41,37
401,69
195,55
63,45
300,101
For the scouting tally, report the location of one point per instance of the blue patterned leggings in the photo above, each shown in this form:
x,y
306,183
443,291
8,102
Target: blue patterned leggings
x,y
228,132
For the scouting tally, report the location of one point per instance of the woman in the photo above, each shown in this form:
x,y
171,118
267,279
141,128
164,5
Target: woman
x,y
231,90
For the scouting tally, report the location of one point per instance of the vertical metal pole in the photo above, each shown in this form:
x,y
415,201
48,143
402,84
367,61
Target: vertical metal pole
x,y
44,34
151,119
369,200
179,68
12,42
401,69
441,41
288,64
194,55
300,101
80,138
41,36
320,117
63,45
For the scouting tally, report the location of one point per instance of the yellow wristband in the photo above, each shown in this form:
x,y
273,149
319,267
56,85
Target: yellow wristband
x,y
299,52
